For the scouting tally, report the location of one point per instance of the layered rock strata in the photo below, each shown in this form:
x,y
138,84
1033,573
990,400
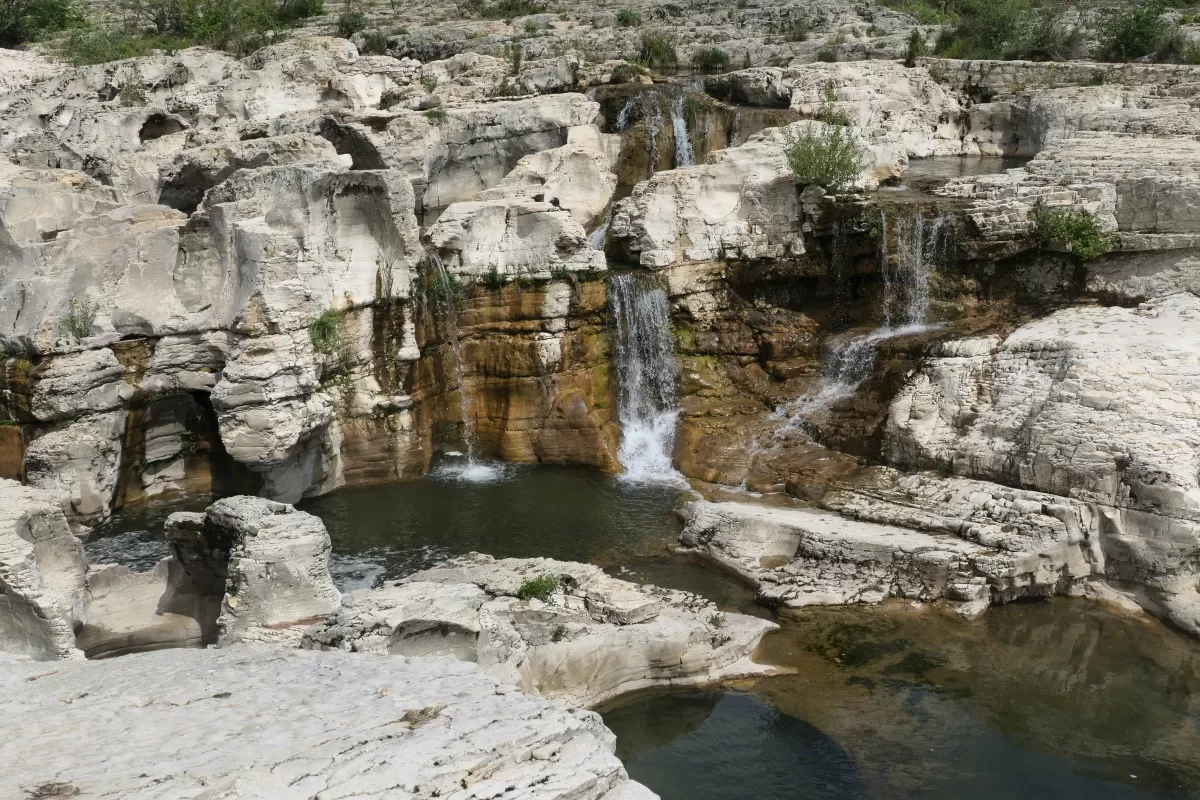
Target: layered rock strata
x,y
295,724
589,639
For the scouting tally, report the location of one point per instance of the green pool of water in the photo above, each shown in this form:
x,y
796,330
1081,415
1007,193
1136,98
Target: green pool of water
x,y
1061,699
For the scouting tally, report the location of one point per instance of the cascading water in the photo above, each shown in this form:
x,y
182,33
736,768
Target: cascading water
x,y
646,374
441,292
905,310
599,237
684,155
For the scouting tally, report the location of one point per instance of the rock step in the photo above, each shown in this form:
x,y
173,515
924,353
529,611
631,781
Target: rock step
x,y
800,556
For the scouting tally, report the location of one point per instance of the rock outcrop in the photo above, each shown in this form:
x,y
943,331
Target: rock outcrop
x,y
295,724
42,571
588,639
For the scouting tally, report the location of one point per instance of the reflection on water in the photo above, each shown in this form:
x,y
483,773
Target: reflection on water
x,y
1061,699
572,514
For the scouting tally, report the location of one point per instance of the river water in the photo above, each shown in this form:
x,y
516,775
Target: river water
x,y
1059,699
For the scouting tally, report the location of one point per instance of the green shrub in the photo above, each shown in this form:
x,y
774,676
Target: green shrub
x,y
531,27
437,116
1076,231
350,23
505,9
1099,77
495,280
429,82
325,332
628,18
915,48
1131,31
376,43
1177,48
508,88
80,318
23,21
826,156
291,11
542,587
710,59
515,54
627,73
828,55
796,31
657,51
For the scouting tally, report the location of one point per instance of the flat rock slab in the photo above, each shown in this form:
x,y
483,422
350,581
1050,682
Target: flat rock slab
x,y
251,721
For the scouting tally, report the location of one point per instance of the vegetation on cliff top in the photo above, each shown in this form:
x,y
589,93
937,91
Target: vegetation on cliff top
x,y
1076,231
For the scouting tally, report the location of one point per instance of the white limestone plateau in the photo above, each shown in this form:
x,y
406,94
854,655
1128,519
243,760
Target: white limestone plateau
x,y
290,724
592,639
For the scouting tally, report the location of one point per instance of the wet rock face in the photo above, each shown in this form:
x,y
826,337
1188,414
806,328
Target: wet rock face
x,y
438,727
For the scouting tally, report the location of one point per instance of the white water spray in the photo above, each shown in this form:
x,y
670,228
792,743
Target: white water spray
x,y
848,363
467,466
646,374
684,155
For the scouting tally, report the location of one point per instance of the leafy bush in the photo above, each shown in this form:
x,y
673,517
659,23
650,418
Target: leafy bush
x,y
25,20
827,55
1076,231
1131,31
325,332
515,53
80,318
541,587
503,9
826,156
508,88
437,116
710,59
429,82
531,27
291,11
915,48
626,73
350,23
628,18
495,280
376,43
796,31
657,51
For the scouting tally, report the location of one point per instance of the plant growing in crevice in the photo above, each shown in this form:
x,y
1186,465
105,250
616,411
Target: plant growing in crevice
x,y
325,333
494,280
628,18
80,318
437,116
1078,232
540,588
828,156
514,53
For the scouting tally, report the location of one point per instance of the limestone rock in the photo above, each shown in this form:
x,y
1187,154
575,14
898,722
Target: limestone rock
x,y
289,724
595,637
42,568
277,573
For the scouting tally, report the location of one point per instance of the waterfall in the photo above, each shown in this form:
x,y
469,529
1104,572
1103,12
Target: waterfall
x,y
599,237
684,155
442,288
906,277
645,369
